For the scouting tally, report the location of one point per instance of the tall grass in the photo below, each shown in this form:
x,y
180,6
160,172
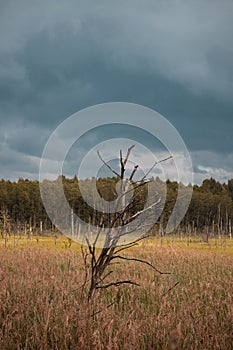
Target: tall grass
x,y
43,307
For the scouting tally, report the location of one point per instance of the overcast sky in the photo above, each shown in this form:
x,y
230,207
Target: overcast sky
x,y
57,57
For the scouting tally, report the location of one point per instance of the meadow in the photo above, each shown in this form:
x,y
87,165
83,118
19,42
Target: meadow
x,y
43,304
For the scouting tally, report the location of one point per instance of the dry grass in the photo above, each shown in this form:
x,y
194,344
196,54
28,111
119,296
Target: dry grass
x,y
42,306
61,243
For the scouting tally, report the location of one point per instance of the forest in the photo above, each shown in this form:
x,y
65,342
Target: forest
x,y
21,209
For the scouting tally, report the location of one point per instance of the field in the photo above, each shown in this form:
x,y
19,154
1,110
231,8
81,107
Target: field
x,y
43,307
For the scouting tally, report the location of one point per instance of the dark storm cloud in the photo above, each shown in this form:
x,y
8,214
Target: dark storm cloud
x,y
28,140
59,57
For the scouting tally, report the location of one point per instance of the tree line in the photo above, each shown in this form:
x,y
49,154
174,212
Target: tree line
x,y
22,211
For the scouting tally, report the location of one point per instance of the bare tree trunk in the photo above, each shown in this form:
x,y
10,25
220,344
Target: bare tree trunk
x,y
101,260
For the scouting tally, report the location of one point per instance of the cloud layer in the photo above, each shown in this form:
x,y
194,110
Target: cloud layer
x,y
58,57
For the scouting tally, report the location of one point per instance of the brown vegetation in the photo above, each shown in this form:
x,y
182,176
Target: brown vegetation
x,y
42,305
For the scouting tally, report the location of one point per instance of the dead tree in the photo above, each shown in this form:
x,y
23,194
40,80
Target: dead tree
x,y
5,222
96,268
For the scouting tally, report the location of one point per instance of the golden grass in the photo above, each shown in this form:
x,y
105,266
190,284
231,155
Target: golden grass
x,y
61,243
42,305
214,245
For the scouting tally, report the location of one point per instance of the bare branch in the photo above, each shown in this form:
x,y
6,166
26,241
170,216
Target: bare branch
x,y
170,289
117,284
134,188
127,155
98,233
154,165
142,211
141,261
133,172
89,246
128,207
93,258
86,269
107,165
129,245
135,241
107,274
122,165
